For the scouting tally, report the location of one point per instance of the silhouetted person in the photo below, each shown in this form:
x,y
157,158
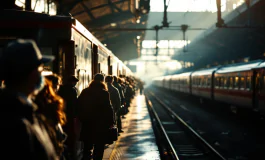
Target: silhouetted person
x,y
22,130
52,107
69,93
96,116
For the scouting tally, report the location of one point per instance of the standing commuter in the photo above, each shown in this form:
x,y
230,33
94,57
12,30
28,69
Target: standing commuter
x,y
23,133
118,115
56,81
96,116
69,93
115,99
52,107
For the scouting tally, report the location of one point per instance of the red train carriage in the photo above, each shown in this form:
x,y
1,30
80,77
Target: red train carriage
x,y
259,88
202,83
240,85
181,82
167,82
234,84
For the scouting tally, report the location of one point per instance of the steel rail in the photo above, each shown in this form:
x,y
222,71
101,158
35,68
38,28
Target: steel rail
x,y
188,127
162,128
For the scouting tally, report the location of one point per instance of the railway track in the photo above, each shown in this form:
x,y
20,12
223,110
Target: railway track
x,y
177,139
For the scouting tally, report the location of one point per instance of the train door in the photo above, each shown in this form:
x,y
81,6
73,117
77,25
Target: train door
x,y
66,60
95,65
89,61
118,65
82,83
110,65
259,95
256,79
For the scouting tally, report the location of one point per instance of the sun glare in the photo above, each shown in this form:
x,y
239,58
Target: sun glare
x,y
186,5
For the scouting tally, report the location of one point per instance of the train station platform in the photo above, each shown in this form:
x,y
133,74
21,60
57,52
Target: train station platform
x,y
138,141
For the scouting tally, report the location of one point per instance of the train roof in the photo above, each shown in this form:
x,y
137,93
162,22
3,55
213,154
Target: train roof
x,y
158,78
181,74
240,67
81,29
207,71
261,65
167,76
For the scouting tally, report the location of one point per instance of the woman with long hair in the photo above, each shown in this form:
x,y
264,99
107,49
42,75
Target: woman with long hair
x,y
56,81
96,116
51,106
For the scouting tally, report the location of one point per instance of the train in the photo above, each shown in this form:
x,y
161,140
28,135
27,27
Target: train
x,y
77,52
240,85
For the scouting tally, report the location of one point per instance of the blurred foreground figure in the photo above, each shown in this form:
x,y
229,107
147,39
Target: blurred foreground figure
x,y
52,107
22,130
69,92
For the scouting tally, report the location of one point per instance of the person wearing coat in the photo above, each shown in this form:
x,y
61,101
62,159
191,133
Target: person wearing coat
x,y
96,116
22,130
114,94
52,107
69,93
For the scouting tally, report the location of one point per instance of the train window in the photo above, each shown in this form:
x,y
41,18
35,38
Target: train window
x,y
208,82
201,81
217,82
231,79
228,82
248,83
242,83
225,82
236,83
221,82
204,82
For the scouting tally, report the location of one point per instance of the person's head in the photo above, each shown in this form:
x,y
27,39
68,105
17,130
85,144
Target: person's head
x,y
22,64
109,79
56,81
115,79
98,82
50,104
120,80
72,80
99,77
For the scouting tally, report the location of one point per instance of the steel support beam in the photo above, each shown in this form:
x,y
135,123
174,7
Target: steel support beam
x,y
137,29
88,11
101,6
111,18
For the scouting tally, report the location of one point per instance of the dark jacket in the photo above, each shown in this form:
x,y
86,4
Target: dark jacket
x,y
114,97
96,114
69,94
23,133
119,87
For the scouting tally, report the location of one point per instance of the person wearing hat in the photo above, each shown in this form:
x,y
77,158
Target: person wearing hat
x,y
96,116
23,131
69,93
